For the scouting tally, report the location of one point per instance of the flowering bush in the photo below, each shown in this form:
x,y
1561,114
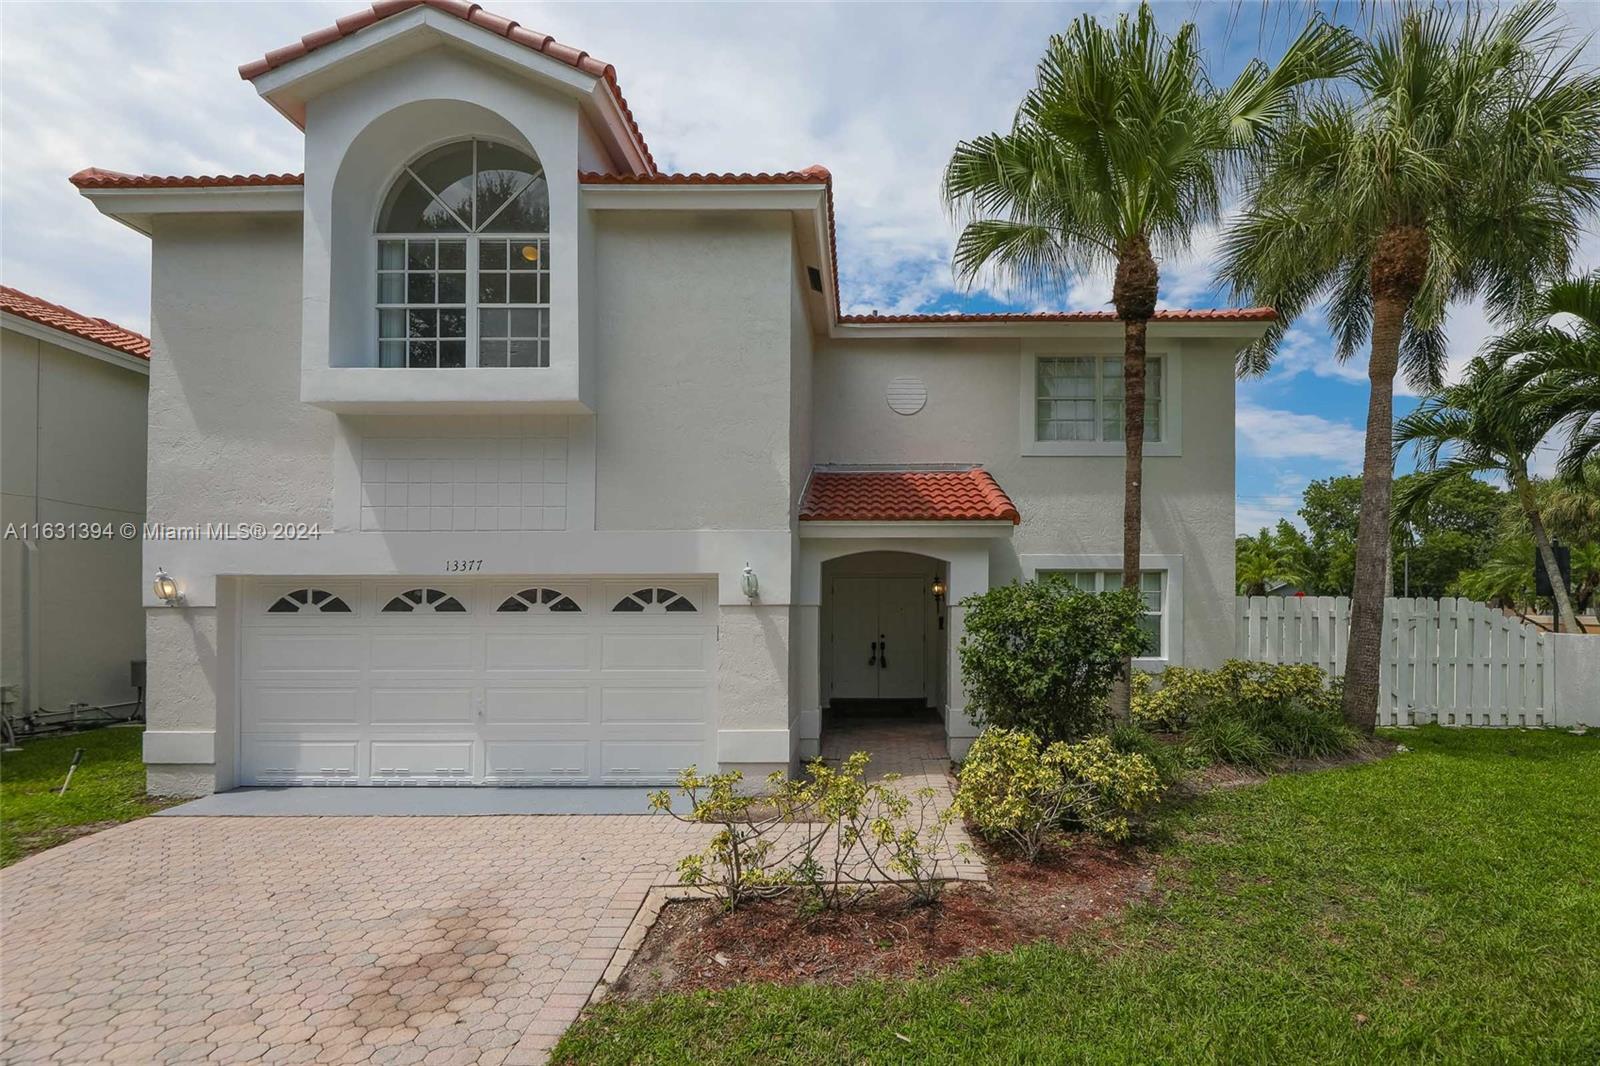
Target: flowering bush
x,y
1016,788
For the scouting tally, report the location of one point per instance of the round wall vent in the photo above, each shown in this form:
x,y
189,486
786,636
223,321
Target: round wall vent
x,y
906,396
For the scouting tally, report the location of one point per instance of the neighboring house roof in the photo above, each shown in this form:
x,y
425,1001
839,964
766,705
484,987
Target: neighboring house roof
x,y
510,29
908,495
96,330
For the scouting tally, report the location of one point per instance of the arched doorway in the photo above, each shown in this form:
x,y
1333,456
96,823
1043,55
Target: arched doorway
x,y
884,639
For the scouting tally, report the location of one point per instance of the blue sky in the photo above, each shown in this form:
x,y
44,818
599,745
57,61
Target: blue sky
x,y
878,93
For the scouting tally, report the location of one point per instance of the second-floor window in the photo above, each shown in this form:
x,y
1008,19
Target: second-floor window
x,y
1079,398
463,259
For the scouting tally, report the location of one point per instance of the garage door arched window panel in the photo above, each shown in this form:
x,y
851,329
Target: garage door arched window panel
x,y
425,601
538,600
463,260
309,600
654,601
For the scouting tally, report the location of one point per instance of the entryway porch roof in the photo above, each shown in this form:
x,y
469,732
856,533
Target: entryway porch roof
x,y
905,494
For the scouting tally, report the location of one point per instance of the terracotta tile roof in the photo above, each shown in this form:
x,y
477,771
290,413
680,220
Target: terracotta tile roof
x,y
809,176
906,496
96,178
467,12
1223,314
98,330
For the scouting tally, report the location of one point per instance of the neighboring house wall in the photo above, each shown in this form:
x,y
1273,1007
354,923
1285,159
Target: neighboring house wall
x,y
1071,506
73,451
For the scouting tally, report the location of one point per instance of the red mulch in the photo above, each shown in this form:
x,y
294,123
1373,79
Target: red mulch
x,y
696,945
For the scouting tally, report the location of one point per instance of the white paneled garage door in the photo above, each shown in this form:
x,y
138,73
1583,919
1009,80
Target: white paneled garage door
x,y
538,681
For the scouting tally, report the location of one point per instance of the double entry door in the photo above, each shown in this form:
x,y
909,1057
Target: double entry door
x,y
879,638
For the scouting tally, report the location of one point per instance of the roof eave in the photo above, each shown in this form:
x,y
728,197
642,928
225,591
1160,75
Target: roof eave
x,y
136,208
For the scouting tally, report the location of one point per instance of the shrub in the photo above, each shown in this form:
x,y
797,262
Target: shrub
x,y
1247,713
1172,762
1227,739
1299,730
828,833
1188,694
1042,656
1015,788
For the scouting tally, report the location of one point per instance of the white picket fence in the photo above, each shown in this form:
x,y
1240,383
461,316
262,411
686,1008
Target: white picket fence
x,y
1455,662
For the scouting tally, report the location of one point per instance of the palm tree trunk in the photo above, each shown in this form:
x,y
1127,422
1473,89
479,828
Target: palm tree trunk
x,y
1133,292
1361,671
1133,384
1541,540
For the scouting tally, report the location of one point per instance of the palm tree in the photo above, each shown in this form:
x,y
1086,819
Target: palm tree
x,y
1489,426
1559,360
1504,580
1264,560
1462,166
1122,149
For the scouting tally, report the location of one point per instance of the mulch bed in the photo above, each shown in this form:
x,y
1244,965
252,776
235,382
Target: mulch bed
x,y
696,945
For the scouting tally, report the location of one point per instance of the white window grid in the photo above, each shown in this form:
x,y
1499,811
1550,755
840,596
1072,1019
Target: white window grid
x,y
1079,398
1152,586
518,329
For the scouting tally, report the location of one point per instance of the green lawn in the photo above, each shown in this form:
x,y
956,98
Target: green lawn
x,y
1442,905
108,787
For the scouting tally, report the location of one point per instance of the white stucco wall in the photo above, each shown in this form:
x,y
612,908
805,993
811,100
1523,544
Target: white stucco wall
x,y
72,450
230,441
693,406
1070,505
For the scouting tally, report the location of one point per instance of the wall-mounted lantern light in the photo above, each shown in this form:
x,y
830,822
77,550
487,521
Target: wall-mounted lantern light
x,y
749,583
166,589
938,599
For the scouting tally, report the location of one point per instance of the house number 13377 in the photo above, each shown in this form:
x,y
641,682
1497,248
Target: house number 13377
x,y
461,566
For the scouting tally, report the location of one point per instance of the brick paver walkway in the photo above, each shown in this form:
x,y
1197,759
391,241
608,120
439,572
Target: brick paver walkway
x,y
345,940
327,940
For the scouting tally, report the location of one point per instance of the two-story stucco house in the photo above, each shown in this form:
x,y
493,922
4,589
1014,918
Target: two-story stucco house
x,y
572,471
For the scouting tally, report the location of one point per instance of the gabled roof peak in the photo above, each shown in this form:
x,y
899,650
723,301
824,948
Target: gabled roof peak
x,y
474,14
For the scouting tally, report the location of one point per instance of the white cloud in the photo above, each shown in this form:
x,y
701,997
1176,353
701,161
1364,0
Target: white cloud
x,y
1272,434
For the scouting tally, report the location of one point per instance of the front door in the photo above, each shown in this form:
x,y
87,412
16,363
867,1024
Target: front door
x,y
879,638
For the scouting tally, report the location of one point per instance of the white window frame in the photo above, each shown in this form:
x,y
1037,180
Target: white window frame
x,y
472,236
1171,442
1171,595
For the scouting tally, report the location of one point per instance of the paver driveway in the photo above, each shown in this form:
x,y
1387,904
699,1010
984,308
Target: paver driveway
x,y
381,940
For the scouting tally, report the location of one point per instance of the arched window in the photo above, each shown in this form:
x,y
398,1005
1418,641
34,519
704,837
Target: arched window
x,y
424,600
464,260
309,600
538,600
653,601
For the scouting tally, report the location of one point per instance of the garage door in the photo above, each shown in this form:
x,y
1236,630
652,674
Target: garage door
x,y
502,682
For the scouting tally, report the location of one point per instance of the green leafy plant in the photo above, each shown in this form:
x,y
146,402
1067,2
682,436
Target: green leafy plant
x,y
829,834
1015,788
1232,740
1042,656
1248,713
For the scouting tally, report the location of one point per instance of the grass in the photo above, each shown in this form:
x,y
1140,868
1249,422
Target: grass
x,y
1442,905
108,788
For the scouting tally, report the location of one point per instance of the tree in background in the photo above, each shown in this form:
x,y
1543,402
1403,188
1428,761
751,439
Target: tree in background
x,y
1556,357
1122,148
1484,424
1267,559
1465,164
